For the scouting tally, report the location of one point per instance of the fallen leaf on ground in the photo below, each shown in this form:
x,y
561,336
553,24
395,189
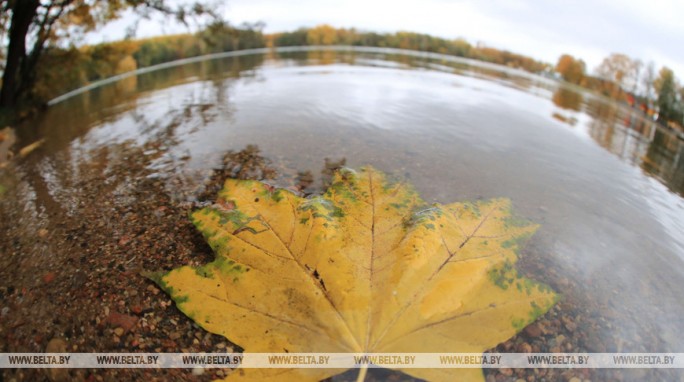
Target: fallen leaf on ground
x,y
367,267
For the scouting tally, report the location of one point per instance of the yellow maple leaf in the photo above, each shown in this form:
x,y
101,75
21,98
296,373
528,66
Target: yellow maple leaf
x,y
367,267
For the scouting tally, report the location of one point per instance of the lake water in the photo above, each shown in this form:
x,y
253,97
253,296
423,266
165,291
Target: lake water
x,y
604,183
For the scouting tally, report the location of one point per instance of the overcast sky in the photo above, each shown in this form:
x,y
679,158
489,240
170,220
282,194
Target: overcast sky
x,y
650,30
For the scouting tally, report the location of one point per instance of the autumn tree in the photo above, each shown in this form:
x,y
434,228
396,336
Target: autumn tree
x,y
571,69
29,27
620,69
459,47
668,101
322,35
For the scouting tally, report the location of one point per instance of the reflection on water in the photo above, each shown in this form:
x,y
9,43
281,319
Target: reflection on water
x,y
605,184
664,159
568,98
629,134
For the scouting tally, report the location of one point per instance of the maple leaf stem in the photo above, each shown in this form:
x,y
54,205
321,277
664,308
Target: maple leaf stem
x,y
362,373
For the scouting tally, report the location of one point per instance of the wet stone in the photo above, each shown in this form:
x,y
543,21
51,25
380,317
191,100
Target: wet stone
x,y
533,330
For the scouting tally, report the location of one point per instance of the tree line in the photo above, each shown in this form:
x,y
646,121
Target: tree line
x,y
620,77
39,59
327,35
62,70
660,95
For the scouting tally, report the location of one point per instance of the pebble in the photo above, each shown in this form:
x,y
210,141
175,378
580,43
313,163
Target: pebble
x,y
197,371
57,345
119,331
524,348
49,277
153,289
560,339
569,324
123,320
533,330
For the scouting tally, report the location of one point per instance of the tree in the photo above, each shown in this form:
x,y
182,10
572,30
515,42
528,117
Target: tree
x,y
41,23
220,36
571,69
638,65
322,35
620,69
668,100
647,82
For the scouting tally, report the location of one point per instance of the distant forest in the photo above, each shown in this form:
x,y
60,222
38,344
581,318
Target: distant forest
x,y
619,77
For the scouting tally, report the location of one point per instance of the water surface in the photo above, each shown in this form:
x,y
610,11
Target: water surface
x,y
605,183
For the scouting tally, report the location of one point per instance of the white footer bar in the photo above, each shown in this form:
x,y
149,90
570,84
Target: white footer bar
x,y
342,360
